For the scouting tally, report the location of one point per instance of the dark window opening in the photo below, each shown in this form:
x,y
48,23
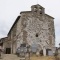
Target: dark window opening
x,y
8,50
41,52
41,12
23,45
35,9
49,28
36,35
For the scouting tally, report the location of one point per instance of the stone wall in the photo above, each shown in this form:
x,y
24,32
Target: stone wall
x,y
35,28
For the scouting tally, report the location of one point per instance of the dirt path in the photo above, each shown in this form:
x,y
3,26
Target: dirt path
x,y
14,57
9,57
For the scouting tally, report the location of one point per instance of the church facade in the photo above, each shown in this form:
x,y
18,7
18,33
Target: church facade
x,y
31,27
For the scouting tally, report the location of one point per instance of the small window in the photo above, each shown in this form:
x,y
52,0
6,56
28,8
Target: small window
x,y
35,9
49,28
37,35
41,12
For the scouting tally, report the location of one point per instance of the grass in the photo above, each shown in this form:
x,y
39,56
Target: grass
x,y
42,58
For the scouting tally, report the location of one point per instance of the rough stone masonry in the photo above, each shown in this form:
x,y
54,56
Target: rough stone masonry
x,y
36,27
32,27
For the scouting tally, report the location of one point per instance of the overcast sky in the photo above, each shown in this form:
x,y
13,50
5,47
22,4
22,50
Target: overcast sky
x,y
10,9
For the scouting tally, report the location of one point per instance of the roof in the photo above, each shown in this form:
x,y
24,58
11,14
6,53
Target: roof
x,y
14,24
49,16
2,39
25,12
59,48
37,5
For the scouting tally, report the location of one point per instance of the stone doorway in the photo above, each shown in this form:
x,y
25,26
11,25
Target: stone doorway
x,y
49,52
8,50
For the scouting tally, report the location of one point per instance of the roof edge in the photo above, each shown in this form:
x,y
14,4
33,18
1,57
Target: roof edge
x,y
50,16
25,12
14,24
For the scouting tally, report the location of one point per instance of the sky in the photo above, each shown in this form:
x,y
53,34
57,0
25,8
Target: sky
x,y
10,9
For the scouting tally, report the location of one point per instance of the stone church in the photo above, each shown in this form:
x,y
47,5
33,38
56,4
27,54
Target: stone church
x,y
33,27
